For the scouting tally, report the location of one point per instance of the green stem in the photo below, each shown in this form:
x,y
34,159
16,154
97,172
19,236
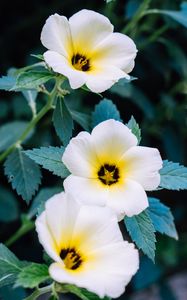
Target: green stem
x,y
25,228
154,36
137,16
32,123
39,292
39,64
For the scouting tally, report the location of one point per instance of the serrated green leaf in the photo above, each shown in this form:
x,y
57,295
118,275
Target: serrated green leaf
x,y
23,173
32,79
63,121
82,119
105,110
82,293
173,176
39,201
10,133
162,218
133,125
50,158
8,206
32,275
7,82
10,266
142,232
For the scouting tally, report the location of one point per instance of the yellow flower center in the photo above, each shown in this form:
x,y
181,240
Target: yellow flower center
x,y
108,174
71,258
80,62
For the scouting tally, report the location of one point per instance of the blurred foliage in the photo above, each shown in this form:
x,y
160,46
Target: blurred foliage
x,y
157,100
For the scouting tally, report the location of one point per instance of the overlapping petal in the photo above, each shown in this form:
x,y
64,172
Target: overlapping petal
x,y
124,266
128,199
143,166
61,64
86,190
117,49
56,35
112,139
80,155
88,28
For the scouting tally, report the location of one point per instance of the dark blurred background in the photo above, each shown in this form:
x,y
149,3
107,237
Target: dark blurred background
x,y
157,99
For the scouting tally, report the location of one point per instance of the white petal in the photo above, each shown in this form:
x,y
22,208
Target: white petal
x,y
112,139
121,259
103,78
56,35
80,156
88,28
144,164
117,49
129,67
63,66
97,227
128,199
46,238
110,272
61,211
87,191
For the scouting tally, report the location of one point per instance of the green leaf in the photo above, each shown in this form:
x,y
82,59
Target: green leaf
x,y
162,218
140,281
10,266
30,96
173,176
32,79
105,110
124,81
38,56
136,96
7,82
8,206
32,275
179,16
39,201
92,296
23,173
142,232
63,121
82,293
82,119
134,128
50,158
9,293
10,133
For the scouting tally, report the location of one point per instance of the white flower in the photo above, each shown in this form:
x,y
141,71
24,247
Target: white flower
x,y
108,168
86,51
87,246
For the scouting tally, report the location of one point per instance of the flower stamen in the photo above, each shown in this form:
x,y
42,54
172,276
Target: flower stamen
x,y
108,174
71,258
80,62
